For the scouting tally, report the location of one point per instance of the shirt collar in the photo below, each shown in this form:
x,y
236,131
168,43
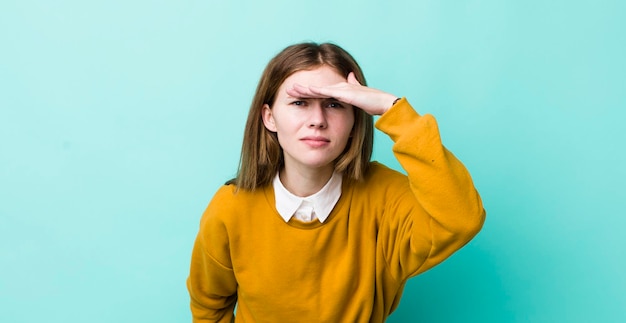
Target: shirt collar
x,y
323,201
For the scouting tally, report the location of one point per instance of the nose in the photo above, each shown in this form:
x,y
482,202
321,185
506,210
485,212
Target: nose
x,y
317,116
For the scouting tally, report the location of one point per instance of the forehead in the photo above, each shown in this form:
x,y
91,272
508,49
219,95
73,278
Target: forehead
x,y
320,76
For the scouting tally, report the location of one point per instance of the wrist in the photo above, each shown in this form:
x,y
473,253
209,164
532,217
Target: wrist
x,y
390,101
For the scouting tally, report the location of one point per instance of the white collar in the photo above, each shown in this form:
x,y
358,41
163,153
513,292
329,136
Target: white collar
x,y
323,201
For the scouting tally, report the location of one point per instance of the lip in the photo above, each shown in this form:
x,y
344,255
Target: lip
x,y
315,141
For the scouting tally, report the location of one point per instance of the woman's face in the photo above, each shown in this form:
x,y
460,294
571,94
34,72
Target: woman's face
x,y
311,132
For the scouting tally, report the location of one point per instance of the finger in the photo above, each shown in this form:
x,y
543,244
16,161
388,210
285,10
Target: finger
x,y
308,92
322,92
300,91
314,91
342,94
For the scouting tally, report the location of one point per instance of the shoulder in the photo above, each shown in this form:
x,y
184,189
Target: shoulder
x,y
230,193
382,180
382,191
380,173
228,201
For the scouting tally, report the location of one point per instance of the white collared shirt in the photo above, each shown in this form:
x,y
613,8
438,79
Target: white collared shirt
x,y
317,206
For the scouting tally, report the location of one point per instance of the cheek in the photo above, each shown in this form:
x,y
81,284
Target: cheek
x,y
285,126
348,122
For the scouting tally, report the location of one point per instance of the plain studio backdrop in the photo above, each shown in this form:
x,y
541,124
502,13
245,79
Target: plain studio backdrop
x,y
120,119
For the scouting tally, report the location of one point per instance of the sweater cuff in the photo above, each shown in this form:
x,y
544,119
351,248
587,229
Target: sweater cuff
x,y
395,121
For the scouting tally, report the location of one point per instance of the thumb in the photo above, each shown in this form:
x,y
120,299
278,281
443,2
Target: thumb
x,y
352,79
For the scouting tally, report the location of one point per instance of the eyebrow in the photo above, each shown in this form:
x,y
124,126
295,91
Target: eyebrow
x,y
289,97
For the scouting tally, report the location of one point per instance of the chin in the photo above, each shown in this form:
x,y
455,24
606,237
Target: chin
x,y
319,164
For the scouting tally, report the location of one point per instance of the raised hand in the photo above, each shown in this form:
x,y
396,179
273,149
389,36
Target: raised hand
x,y
370,100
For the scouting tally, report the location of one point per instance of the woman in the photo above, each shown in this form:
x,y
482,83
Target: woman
x,y
310,230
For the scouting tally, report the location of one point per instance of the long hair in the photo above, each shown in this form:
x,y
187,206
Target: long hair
x,y
261,154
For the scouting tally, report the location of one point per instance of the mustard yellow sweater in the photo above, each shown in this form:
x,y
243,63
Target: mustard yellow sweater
x,y
353,267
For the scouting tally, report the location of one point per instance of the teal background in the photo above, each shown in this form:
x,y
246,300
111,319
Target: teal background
x,y
119,119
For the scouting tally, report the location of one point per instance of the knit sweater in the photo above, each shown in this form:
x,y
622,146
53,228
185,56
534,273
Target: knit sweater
x,y
353,267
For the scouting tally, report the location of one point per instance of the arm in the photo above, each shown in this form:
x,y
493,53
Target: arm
x,y
447,211
211,283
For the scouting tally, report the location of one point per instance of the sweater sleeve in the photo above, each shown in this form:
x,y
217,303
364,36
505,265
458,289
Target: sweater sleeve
x,y
442,211
211,284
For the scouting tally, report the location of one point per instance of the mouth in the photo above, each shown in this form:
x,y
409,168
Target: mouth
x,y
315,141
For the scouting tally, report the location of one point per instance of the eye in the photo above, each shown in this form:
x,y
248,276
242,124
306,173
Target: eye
x,y
298,103
335,105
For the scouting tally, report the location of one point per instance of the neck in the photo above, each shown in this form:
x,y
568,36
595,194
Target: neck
x,y
305,182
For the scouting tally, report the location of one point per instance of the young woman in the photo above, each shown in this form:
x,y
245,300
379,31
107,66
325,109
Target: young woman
x,y
310,230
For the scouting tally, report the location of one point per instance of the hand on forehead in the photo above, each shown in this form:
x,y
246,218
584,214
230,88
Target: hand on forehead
x,y
350,91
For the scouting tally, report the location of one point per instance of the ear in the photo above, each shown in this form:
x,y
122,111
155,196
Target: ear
x,y
268,118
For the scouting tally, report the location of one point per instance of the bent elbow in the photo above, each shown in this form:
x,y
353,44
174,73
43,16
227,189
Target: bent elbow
x,y
474,223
